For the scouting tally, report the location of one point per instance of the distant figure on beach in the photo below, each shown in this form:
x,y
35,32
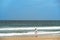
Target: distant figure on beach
x,y
36,32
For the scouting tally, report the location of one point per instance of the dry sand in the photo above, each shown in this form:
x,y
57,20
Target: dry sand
x,y
31,38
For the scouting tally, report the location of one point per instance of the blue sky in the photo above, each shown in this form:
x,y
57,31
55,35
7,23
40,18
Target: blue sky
x,y
29,10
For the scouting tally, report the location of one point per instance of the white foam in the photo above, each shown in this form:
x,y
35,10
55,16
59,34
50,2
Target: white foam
x,y
32,28
29,33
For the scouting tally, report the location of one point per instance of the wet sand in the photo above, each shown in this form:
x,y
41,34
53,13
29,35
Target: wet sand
x,y
31,38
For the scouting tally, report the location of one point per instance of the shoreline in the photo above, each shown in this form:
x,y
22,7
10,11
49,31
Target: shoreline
x,y
31,38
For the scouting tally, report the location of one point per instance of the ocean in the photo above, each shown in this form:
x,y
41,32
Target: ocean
x,y
13,27
29,23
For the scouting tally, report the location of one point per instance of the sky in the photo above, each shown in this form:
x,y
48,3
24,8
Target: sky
x,y
29,10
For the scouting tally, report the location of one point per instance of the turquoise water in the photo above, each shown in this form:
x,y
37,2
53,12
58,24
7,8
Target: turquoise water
x,y
15,23
25,31
29,23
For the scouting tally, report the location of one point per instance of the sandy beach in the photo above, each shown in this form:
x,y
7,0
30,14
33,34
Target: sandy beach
x,y
31,38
